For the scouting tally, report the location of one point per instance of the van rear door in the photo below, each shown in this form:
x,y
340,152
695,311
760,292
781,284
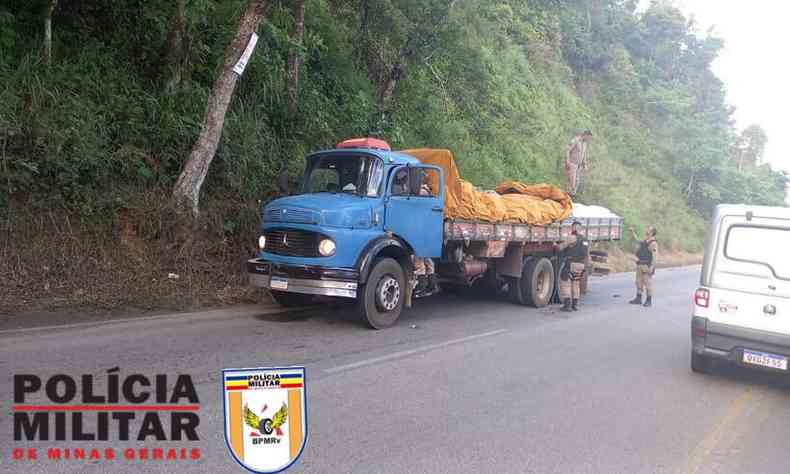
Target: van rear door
x,y
750,278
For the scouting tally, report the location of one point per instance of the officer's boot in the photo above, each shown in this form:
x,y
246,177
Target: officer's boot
x,y
566,306
637,300
648,301
575,304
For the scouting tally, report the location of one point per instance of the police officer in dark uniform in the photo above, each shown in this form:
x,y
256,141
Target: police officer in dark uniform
x,y
576,250
646,256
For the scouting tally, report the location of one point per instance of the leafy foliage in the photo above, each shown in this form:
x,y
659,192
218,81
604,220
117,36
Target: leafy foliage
x,y
504,84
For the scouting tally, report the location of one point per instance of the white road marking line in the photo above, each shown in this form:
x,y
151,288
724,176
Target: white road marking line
x,y
400,354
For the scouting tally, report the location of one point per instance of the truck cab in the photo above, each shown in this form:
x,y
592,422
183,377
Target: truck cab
x,y
361,217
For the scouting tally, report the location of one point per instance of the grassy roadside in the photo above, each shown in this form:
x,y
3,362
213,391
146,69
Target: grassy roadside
x,y
621,261
127,259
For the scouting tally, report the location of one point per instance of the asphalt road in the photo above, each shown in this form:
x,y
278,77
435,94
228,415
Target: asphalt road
x,y
459,385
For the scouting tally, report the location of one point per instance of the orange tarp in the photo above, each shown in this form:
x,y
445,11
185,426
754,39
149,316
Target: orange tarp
x,y
513,201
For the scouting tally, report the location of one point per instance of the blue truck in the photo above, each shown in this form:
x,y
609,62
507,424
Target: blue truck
x,y
364,227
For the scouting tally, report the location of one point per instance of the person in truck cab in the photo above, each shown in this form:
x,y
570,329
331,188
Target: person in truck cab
x,y
401,185
576,250
424,268
646,256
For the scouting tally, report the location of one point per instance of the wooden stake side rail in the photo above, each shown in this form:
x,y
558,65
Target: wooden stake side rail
x,y
594,228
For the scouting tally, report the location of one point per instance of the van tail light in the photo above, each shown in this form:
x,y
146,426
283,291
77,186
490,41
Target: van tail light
x,y
699,327
702,297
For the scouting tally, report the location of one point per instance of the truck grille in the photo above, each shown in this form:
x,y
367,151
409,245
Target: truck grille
x,y
290,214
292,242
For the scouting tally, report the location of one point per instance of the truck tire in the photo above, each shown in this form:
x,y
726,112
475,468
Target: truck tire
x,y
514,287
380,300
291,300
536,285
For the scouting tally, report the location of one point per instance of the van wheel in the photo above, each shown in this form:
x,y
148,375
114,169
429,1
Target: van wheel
x,y
380,301
701,364
536,285
291,300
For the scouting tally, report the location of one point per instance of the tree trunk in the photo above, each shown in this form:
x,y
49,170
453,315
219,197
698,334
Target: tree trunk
x,y
294,58
48,31
387,89
176,51
690,186
187,189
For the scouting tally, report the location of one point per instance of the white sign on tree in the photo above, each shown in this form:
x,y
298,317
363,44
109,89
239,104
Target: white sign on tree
x,y
241,64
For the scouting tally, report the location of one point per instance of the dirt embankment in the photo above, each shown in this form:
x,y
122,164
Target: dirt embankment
x,y
131,260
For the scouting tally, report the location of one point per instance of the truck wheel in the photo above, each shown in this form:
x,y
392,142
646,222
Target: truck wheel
x,y
515,290
536,285
540,276
380,301
291,300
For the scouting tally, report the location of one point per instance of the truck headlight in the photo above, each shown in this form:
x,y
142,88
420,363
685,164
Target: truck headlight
x,y
262,242
326,247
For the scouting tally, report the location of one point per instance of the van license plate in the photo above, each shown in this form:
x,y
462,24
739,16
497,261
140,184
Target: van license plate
x,y
279,283
765,360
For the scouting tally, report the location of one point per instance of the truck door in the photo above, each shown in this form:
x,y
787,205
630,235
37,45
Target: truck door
x,y
415,208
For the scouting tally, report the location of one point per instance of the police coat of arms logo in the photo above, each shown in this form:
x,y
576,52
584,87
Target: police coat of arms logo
x,y
265,416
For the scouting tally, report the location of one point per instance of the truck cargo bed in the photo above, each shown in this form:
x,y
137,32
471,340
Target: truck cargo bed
x,y
594,228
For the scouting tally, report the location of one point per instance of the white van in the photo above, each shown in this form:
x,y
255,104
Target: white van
x,y
742,308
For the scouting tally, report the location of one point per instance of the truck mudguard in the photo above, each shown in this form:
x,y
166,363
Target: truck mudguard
x,y
368,254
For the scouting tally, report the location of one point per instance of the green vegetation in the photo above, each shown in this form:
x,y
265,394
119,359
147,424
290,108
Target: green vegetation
x,y
109,122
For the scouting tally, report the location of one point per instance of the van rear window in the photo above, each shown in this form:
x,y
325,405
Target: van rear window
x,y
765,246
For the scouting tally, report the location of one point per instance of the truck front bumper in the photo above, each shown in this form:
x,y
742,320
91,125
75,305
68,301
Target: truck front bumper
x,y
309,280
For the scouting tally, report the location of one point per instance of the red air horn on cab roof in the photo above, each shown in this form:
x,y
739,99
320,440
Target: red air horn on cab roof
x,y
372,143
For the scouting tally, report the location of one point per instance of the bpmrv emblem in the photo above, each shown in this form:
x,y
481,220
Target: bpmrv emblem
x,y
265,416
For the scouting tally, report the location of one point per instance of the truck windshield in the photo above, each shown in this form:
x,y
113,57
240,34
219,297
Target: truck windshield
x,y
354,174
